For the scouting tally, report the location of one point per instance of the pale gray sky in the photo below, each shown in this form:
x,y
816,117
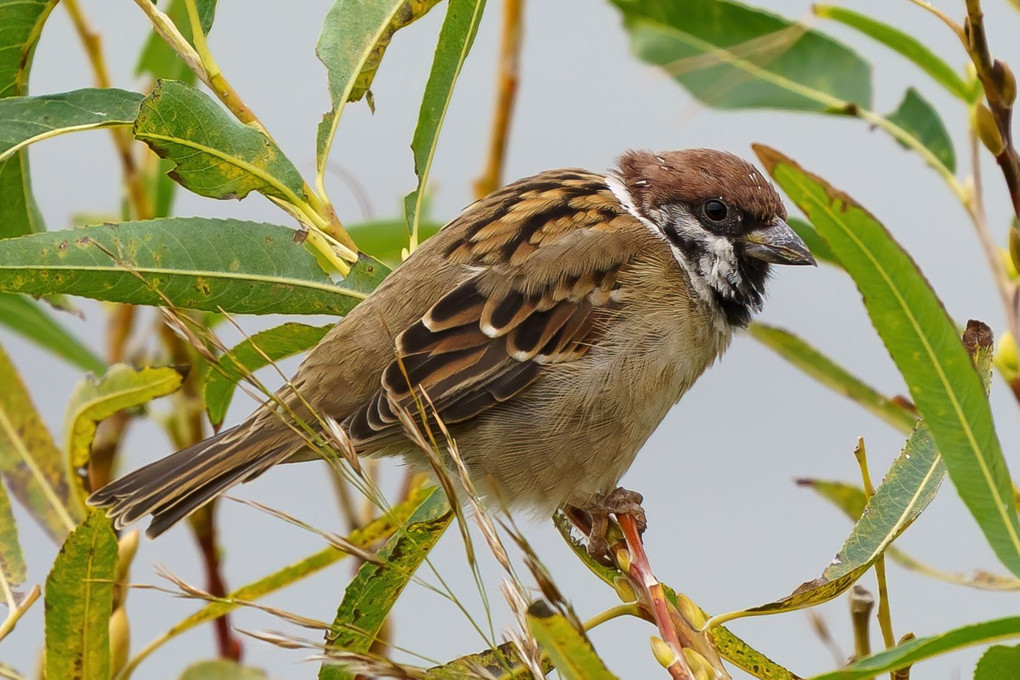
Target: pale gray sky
x,y
727,525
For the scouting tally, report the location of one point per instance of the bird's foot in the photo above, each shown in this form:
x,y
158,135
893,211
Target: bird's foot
x,y
618,502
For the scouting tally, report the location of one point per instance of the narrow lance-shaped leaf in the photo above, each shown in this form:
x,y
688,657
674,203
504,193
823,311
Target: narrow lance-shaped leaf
x,y
21,23
455,40
732,56
907,45
193,262
912,652
923,341
376,587
998,663
908,488
27,318
570,651
79,600
352,43
381,528
852,501
249,356
920,119
30,463
94,399
12,561
832,375
26,120
215,155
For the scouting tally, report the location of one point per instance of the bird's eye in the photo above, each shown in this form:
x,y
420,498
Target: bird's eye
x,y
715,210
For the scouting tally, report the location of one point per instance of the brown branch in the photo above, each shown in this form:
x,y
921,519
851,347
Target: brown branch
x,y
133,181
1000,92
189,429
506,94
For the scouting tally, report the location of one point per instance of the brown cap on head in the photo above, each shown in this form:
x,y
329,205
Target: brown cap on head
x,y
694,175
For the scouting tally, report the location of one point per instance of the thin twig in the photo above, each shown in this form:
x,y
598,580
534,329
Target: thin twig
x,y
1000,92
884,611
506,94
133,180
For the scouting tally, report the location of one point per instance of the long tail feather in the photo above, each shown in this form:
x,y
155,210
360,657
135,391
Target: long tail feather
x,y
173,487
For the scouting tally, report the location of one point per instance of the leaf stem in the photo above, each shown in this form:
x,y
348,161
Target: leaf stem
x,y
15,613
884,611
628,609
506,94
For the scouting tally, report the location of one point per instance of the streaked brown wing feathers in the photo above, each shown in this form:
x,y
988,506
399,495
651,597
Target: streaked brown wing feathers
x,y
545,265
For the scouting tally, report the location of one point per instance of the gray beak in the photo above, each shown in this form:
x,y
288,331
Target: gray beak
x,y
778,244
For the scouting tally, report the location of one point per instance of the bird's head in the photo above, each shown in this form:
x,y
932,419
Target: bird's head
x,y
724,222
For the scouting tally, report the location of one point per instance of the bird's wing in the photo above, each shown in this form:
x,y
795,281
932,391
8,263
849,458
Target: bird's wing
x,y
545,257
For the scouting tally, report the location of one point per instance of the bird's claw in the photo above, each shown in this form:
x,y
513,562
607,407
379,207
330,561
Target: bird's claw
x,y
618,502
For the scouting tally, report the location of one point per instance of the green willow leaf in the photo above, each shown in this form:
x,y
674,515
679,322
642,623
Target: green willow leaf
x,y
21,24
852,501
376,587
191,262
907,45
215,155
908,488
28,318
26,120
382,528
920,119
832,375
30,463
352,43
94,399
455,40
79,600
909,653
249,356
732,56
924,344
570,651
998,663
12,561
221,669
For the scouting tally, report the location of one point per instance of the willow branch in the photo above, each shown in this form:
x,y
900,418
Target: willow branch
x,y
1000,92
506,95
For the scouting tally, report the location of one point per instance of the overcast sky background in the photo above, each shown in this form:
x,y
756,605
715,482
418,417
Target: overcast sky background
x,y
727,525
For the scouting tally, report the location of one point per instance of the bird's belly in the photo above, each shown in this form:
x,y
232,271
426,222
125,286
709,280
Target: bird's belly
x,y
577,430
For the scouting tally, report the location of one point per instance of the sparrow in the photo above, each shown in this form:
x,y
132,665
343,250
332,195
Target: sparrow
x,y
551,326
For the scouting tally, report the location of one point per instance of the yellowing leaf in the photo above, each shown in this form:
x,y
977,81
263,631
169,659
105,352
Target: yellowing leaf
x,y
95,399
79,600
30,463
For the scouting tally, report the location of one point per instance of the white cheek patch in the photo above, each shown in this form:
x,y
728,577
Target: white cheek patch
x,y
715,272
